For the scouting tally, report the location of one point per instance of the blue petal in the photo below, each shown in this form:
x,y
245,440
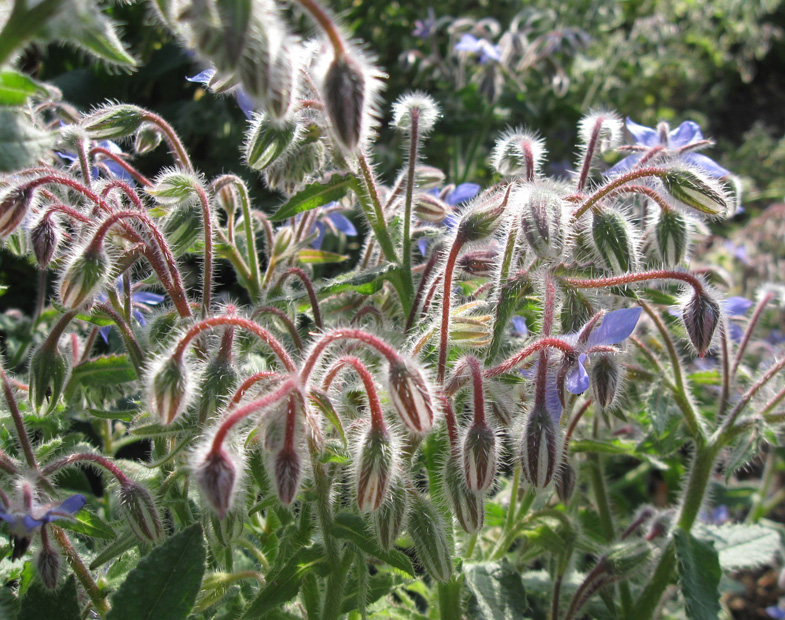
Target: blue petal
x,y
202,78
468,43
422,245
625,165
737,306
462,193
343,223
104,333
552,400
616,326
577,380
519,326
735,331
7,517
245,102
451,221
686,133
144,297
31,524
489,51
709,166
73,504
645,136
316,244
776,612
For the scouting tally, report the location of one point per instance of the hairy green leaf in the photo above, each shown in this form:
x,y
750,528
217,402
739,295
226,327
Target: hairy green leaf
x,y
16,88
498,591
316,195
21,143
40,602
741,547
699,576
352,527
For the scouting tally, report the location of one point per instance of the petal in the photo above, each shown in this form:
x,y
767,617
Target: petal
x,y
422,245
625,165
31,524
104,333
519,326
462,193
245,102
552,402
145,297
737,306
317,243
686,133
616,326
343,223
735,331
202,78
577,380
643,135
73,504
468,43
709,166
7,516
490,51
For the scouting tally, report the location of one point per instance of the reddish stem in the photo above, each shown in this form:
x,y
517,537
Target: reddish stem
x,y
89,458
629,278
286,321
296,271
377,416
446,299
99,150
479,400
330,337
250,382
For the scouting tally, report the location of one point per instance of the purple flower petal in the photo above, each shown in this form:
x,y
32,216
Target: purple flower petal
x,y
320,227
422,245
686,133
145,297
245,102
31,524
577,380
104,333
7,516
625,165
73,504
737,306
488,51
735,331
462,193
616,326
776,612
709,166
468,43
202,78
552,401
645,136
519,326
343,223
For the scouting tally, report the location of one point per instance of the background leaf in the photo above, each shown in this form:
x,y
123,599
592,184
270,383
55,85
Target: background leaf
x,y
21,143
498,591
40,602
316,195
699,576
741,546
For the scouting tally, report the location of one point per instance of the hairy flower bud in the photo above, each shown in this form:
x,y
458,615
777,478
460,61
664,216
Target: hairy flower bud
x,y
388,519
430,540
613,240
419,104
411,397
138,508
671,235
430,208
626,557
343,93
287,472
467,506
226,529
147,139
281,80
701,315
44,239
480,222
13,208
169,388
47,563
217,477
540,448
606,377
518,153
480,263
172,188
282,242
479,457
217,381
375,465
428,177
695,190
565,482
541,223
113,121
471,331
268,140
83,277
49,372
576,309
183,227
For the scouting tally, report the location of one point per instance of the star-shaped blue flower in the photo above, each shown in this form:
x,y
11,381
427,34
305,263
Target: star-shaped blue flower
x,y
424,28
478,47
22,524
245,102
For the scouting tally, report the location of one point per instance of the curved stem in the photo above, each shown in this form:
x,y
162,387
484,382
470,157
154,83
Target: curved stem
x,y
99,150
86,457
176,146
286,321
614,185
377,416
534,347
249,383
207,275
81,572
296,271
748,332
21,432
629,278
325,23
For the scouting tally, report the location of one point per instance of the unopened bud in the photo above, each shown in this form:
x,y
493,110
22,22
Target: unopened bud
x,y
388,519
695,190
281,84
44,239
113,121
625,558
430,541
13,207
47,563
500,403
218,380
147,139
430,208
269,139
287,472
172,188
660,525
480,263
540,448
411,397
471,331
182,227
374,469
565,482
479,457
83,277
576,310
282,242
701,315
138,508
49,371
671,233
606,377
428,177
518,153
415,104
541,223
170,388
480,222
217,476
467,506
613,240
344,98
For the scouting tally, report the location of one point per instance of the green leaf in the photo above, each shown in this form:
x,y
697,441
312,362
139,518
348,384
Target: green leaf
x,y
316,195
114,549
352,527
16,88
9,604
741,547
699,576
89,524
366,282
284,584
21,143
102,371
310,256
660,407
165,583
126,415
40,602
498,591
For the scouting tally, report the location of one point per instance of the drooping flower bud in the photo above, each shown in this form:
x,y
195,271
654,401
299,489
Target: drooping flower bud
x,y
281,80
217,477
44,239
411,397
183,227
172,188
170,388
576,309
540,448
481,221
138,508
13,207
625,558
701,315
480,263
83,277
47,563
268,140
49,372
695,190
343,93
671,234
479,457
113,121
606,375
218,380
613,241
287,472
428,177
430,208
388,519
518,153
147,139
430,540
565,482
419,104
375,467
467,506
541,222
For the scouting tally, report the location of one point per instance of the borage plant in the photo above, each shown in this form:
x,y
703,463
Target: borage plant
x,y
461,431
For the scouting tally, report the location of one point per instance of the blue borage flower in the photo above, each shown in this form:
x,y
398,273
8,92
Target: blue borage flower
x,y
245,103
141,301
425,28
718,515
24,523
680,142
114,169
335,221
519,327
777,612
453,197
478,47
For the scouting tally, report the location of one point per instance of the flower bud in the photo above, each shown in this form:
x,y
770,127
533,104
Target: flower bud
x,y
672,237
268,140
172,188
183,227
479,457
701,316
138,508
287,472
471,331
374,469
49,371
576,310
626,557
420,104
468,507
480,263
565,482
430,541
13,208
660,525
281,84
540,448
480,222
613,240
47,563
113,121
500,403
147,139
282,241
169,388
430,208
411,397
217,477
83,277
217,382
695,190
343,93
44,239
541,223
428,177
518,153
606,377
388,519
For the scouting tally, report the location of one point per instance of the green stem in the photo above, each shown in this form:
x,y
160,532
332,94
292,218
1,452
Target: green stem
x,y
374,215
406,250
450,607
81,572
336,584
757,512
